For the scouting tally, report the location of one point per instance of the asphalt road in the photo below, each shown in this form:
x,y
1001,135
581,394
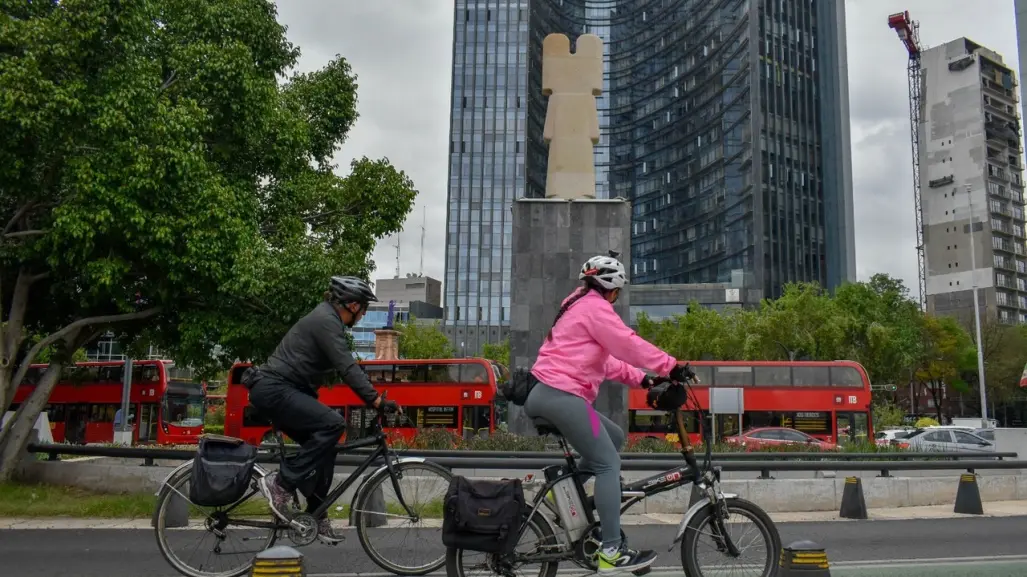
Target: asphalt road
x,y
865,548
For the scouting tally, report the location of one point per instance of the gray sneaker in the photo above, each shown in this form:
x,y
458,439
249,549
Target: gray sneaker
x,y
327,534
279,498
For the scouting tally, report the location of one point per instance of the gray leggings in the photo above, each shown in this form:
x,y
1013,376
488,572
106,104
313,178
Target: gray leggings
x,y
596,438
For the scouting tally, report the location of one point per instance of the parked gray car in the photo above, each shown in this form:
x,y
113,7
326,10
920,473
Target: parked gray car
x,y
946,439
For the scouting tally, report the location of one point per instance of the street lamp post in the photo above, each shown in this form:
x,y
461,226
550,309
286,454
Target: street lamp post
x,y
977,314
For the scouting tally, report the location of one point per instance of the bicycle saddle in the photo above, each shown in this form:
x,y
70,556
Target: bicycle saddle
x,y
544,427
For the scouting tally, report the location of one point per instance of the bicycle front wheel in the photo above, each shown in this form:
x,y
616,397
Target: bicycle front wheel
x,y
210,542
394,539
751,531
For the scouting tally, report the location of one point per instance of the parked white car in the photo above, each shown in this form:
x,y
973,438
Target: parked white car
x,y
890,436
952,439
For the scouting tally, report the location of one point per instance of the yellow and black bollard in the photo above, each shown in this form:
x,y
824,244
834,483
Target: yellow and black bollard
x,y
968,496
278,561
804,559
854,505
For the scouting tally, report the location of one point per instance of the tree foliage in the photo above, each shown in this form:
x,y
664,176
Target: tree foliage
x,y
165,175
874,323
498,352
423,341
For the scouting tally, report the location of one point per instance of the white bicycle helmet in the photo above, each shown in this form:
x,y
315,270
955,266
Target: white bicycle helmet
x,y
606,270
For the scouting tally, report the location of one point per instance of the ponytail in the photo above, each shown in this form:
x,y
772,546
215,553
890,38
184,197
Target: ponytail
x,y
588,286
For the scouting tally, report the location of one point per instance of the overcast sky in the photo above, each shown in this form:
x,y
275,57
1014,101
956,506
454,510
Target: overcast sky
x,y
401,52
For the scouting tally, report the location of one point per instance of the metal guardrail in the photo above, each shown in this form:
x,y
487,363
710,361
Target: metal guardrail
x,y
764,463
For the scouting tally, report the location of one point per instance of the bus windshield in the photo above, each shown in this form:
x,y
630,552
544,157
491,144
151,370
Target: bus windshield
x,y
184,404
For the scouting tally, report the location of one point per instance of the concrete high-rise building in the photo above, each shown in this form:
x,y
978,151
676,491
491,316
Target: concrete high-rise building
x,y
971,139
1020,7
725,123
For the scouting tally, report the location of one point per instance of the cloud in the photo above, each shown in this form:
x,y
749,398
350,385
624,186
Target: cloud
x,y
402,53
879,115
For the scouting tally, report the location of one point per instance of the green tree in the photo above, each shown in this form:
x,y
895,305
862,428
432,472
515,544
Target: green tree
x,y
805,323
945,352
700,333
498,352
423,341
881,325
887,415
158,180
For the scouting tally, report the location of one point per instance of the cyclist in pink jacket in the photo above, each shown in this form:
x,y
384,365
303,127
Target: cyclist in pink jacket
x,y
589,343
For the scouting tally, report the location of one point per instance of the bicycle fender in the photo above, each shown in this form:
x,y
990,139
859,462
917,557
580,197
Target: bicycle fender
x,y
383,470
693,511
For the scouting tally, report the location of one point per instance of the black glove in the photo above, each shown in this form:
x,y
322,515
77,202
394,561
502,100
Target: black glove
x,y
388,406
650,382
682,373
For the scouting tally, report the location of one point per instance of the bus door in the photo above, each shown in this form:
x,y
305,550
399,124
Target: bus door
x,y
147,425
75,419
851,427
476,419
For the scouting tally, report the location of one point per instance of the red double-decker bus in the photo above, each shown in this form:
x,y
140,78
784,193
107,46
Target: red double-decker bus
x,y
86,402
829,400
454,394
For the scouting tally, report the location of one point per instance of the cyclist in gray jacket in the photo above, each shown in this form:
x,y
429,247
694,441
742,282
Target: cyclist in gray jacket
x,y
282,389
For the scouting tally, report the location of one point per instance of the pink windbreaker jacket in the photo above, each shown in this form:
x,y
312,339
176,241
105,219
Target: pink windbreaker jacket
x,y
591,344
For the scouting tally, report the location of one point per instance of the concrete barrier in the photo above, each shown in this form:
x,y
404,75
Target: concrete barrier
x,y
774,495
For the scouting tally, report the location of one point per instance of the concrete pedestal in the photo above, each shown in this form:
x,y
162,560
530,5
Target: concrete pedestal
x,y
552,238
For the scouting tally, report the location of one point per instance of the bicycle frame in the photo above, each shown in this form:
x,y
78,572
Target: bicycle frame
x,y
637,491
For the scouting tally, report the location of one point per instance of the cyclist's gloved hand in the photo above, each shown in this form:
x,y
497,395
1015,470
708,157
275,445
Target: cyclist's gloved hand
x,y
682,373
389,407
650,382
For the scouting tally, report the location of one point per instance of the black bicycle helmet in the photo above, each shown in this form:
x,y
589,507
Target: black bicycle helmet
x,y
350,289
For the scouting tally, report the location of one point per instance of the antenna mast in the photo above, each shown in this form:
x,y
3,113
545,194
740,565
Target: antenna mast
x,y
424,217
397,254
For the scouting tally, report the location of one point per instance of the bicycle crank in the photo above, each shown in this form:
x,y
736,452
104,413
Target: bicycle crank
x,y
302,529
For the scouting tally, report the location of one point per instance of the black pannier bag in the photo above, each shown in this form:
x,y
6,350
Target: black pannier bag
x,y
482,515
516,388
221,471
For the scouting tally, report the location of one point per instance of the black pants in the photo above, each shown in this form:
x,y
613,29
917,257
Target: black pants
x,y
315,426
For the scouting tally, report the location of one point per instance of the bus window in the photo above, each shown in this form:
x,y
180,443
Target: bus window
x,y
381,373
183,410
811,376
145,374
473,373
237,374
773,376
444,417
846,377
809,422
659,423
704,374
55,413
102,413
733,376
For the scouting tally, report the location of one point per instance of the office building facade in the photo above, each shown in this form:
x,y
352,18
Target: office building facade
x,y
725,123
971,175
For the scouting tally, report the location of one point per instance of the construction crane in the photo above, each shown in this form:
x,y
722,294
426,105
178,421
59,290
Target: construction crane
x,y
909,33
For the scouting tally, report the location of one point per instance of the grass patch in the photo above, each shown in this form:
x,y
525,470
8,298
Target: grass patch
x,y
33,500
27,500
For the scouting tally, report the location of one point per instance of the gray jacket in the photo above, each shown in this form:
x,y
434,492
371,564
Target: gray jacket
x,y
315,345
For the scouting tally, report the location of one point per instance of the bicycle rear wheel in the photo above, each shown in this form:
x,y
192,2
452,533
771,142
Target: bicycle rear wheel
x,y
204,541
750,529
394,540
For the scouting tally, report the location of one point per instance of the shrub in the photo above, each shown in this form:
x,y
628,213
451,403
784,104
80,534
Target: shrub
x,y
650,445
215,417
925,422
503,441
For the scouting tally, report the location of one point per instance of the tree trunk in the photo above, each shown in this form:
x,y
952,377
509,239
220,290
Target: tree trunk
x,y
12,335
18,432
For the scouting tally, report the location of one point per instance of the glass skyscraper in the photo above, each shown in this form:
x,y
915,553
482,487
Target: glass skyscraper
x,y
725,122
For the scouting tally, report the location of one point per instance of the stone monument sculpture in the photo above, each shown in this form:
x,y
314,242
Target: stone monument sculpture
x,y
553,236
571,81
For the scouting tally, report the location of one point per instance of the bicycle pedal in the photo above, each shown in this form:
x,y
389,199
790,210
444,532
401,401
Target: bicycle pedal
x,y
642,571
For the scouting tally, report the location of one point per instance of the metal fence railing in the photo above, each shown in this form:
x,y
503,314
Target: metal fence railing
x,y
764,463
